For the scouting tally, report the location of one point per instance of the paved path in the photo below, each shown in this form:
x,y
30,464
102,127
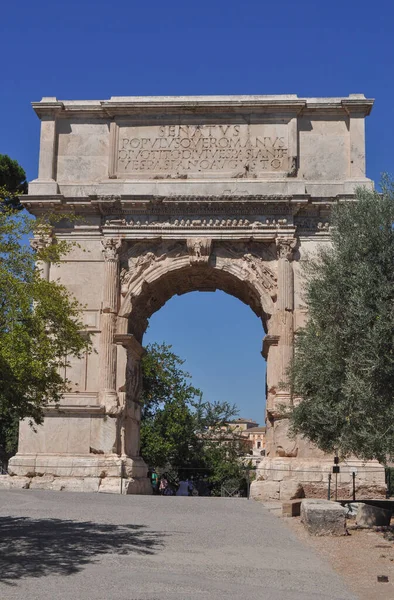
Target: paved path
x,y
62,546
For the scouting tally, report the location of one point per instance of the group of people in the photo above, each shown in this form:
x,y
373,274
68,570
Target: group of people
x,y
185,487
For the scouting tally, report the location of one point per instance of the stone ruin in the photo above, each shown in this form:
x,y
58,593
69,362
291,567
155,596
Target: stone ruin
x,y
173,195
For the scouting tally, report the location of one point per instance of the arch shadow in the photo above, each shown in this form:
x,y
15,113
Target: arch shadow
x,y
42,547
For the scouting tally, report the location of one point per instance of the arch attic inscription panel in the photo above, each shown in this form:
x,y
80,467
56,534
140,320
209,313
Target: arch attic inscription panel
x,y
181,148
175,194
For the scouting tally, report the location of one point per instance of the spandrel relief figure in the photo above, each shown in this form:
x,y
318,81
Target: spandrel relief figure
x,y
199,250
141,259
262,272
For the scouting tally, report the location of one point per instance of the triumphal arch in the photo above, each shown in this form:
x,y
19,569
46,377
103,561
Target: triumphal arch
x,y
176,194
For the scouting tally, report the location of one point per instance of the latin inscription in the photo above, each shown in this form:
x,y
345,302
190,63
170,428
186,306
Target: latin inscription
x,y
238,150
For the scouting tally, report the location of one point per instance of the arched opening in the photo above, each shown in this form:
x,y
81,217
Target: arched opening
x,y
157,273
220,339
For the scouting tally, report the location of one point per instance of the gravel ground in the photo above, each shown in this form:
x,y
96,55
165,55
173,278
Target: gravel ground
x,y
359,558
103,547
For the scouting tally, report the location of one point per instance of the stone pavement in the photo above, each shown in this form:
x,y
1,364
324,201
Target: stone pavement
x,y
102,547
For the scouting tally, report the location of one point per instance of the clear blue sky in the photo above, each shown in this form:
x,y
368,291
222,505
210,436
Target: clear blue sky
x,y
84,49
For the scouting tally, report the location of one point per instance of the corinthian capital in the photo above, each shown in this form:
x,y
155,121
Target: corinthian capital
x,y
285,247
111,247
43,238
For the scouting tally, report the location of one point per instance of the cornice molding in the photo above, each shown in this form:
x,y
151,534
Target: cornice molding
x,y
131,105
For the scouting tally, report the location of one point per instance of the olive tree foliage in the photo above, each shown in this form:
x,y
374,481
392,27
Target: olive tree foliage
x,y
40,324
343,367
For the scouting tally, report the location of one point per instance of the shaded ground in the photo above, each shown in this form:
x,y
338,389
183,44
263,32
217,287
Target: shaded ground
x,y
95,546
38,547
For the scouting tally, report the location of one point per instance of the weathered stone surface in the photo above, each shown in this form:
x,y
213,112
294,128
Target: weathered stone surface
x,y
7,482
367,491
264,490
177,195
291,508
116,485
46,482
372,516
322,517
65,484
139,486
291,489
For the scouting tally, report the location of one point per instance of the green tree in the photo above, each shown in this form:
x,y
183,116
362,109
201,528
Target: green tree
x,y
168,425
40,326
12,182
180,432
343,367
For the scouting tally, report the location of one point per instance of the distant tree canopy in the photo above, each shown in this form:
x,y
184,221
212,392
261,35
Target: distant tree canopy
x,y
179,431
343,367
12,182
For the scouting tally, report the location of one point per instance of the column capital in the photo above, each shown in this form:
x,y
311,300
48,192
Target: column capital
x,y
43,238
285,247
111,247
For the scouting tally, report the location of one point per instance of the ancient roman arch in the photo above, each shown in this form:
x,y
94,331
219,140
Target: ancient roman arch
x,y
177,194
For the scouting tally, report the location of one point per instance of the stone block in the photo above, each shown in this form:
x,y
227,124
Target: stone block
x,y
5,483
76,484
140,485
113,485
43,483
308,472
264,490
322,517
8,483
367,491
372,516
21,483
291,508
291,489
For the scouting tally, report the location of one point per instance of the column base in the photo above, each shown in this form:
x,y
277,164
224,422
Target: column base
x,y
282,478
108,473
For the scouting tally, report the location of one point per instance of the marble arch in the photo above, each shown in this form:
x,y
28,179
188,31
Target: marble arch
x,y
178,194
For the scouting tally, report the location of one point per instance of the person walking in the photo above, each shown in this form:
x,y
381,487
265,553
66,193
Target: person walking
x,y
183,489
163,487
155,481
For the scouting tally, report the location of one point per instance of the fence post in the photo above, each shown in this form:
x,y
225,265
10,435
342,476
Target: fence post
x,y
388,481
329,487
354,486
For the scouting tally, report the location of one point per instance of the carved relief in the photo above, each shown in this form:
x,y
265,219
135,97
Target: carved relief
x,y
199,250
215,222
262,272
252,262
313,219
140,257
